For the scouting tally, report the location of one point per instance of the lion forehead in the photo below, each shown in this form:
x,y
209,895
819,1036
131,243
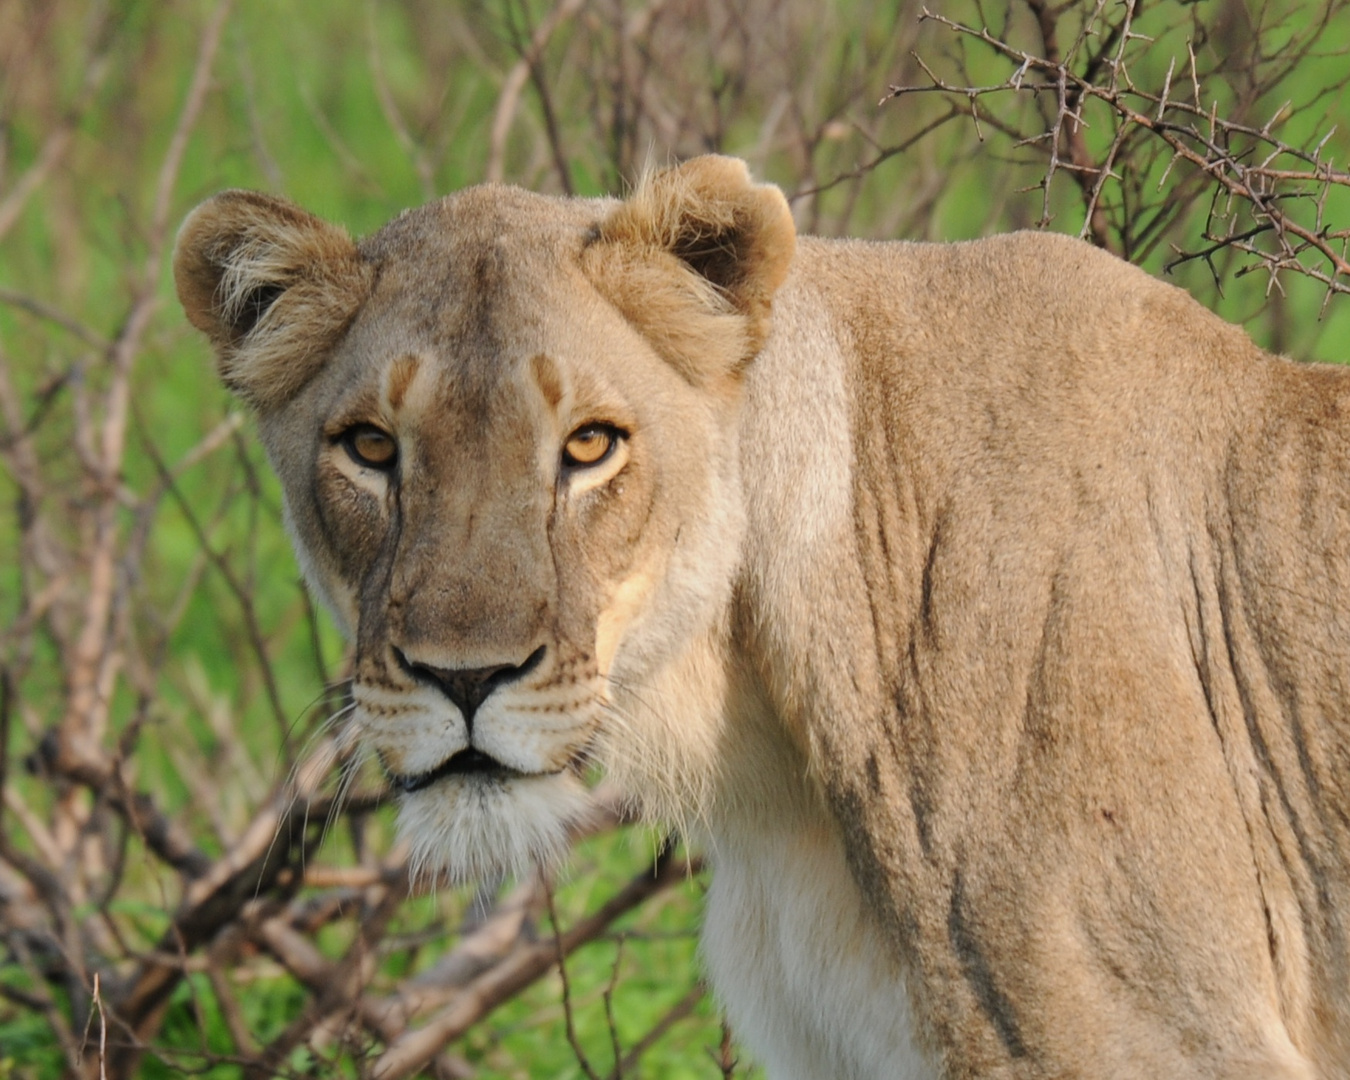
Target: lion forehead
x,y
479,297
486,243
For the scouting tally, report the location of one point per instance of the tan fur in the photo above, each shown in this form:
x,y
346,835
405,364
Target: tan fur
x,y
984,607
252,242
693,260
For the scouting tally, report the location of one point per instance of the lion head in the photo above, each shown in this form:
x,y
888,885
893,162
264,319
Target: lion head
x,y
505,427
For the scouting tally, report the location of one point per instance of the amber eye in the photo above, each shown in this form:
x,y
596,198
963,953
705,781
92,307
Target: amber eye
x,y
589,445
371,447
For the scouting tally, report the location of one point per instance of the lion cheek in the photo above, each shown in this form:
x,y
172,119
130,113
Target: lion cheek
x,y
625,605
321,571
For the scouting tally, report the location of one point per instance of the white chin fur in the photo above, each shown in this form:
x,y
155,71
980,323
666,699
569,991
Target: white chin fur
x,y
470,827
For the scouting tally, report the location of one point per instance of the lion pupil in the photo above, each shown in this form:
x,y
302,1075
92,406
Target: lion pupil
x,y
375,447
588,447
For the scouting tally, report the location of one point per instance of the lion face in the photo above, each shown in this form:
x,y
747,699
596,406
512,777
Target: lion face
x,y
506,431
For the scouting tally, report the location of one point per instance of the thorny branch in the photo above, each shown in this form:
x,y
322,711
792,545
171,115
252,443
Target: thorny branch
x,y
1281,186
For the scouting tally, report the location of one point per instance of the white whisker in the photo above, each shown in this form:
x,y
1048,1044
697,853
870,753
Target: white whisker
x,y
321,750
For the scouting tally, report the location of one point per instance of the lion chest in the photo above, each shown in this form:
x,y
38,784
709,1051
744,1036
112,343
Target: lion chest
x,y
808,984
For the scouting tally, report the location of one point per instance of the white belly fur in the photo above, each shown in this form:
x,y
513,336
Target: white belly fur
x,y
809,985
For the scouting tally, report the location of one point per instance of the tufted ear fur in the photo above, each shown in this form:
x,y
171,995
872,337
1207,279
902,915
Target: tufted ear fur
x,y
271,285
693,259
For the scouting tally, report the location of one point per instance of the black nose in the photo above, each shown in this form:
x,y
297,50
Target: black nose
x,y
468,688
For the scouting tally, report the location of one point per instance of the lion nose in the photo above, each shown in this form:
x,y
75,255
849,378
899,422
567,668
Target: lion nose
x,y
468,688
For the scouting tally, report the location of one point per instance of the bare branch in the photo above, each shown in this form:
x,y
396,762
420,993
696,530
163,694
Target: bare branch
x,y
528,963
527,68
1274,187
677,1012
59,138
577,1050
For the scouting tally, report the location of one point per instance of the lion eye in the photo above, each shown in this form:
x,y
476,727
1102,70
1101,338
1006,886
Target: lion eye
x,y
589,445
371,447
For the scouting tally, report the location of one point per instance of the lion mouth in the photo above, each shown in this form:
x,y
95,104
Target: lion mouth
x,y
466,762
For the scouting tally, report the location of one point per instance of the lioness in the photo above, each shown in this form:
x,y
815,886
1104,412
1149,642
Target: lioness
x,y
984,606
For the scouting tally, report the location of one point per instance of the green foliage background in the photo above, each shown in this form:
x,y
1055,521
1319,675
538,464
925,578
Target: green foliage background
x,y
357,109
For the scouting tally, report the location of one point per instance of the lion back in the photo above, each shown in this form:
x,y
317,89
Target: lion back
x,y
1098,708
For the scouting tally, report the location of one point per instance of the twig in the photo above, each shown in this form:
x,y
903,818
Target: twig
x,y
266,858
725,1056
578,1051
677,1012
393,117
102,1031
883,155
339,992
614,1046
1189,131
528,963
508,100
51,1011
93,661
242,593
60,136
55,316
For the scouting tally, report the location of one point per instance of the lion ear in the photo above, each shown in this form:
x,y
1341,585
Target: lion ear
x,y
693,259
271,285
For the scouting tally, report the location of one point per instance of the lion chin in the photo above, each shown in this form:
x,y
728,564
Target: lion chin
x,y
470,827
